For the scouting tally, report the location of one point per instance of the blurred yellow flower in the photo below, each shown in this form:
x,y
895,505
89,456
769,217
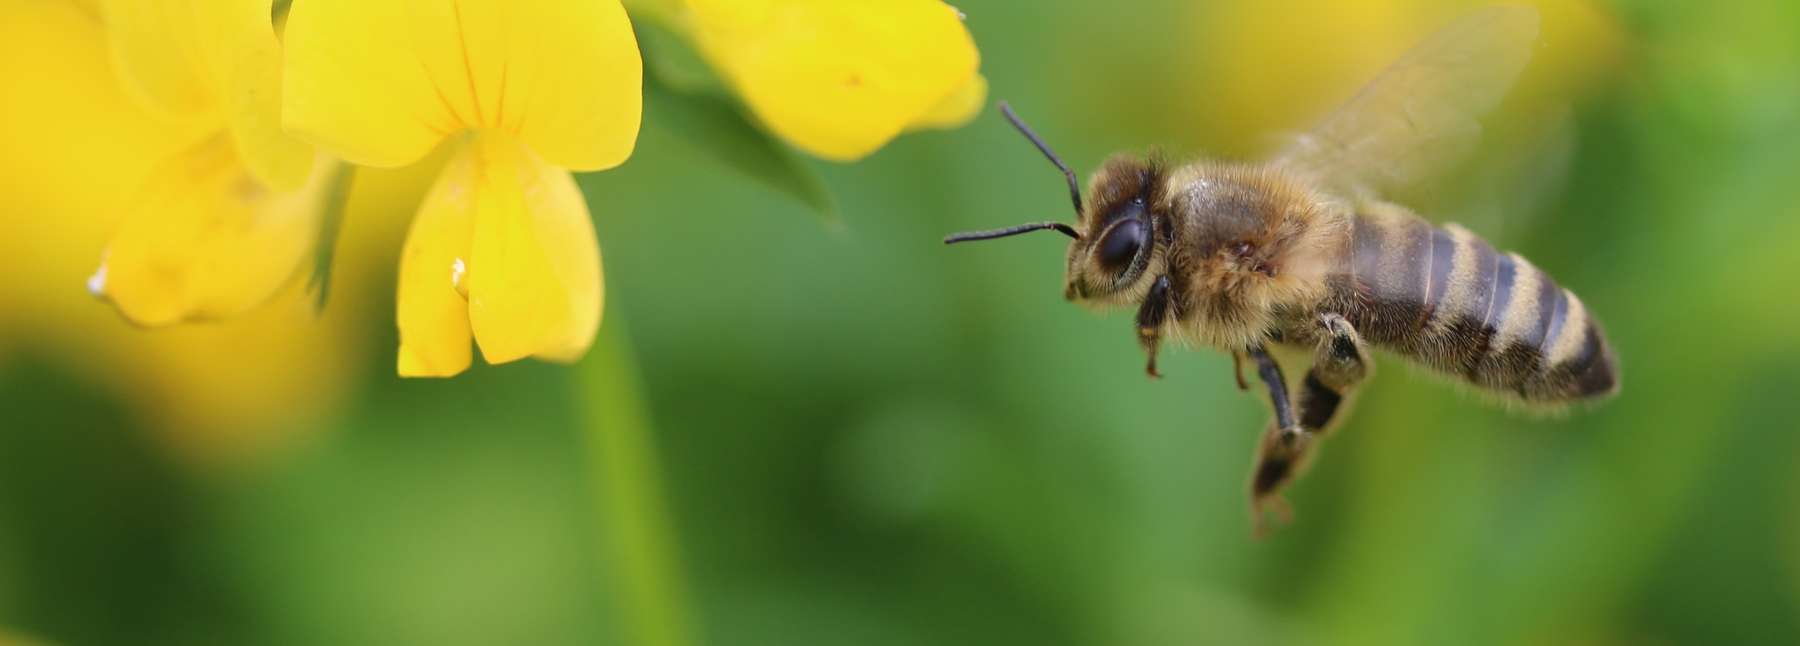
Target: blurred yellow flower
x,y
222,224
1293,81
502,249
840,79
77,152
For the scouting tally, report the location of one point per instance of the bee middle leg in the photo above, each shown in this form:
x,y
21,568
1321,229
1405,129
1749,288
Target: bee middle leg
x,y
1340,362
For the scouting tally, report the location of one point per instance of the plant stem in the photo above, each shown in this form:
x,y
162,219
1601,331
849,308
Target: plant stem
x,y
633,514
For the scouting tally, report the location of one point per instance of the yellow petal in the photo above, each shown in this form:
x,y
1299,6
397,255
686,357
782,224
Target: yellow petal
x,y
563,76
203,239
957,109
433,309
575,96
75,146
157,54
534,265
353,85
227,394
837,79
208,64
252,93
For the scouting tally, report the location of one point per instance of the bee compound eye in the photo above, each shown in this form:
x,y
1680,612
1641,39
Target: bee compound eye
x,y
1121,244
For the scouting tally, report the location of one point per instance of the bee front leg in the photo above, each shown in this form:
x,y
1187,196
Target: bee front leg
x,y
1340,362
1150,317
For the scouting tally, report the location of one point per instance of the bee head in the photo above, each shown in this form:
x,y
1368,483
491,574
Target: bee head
x,y
1115,232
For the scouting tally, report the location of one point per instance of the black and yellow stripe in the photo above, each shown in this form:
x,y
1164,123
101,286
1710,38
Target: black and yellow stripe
x,y
1449,300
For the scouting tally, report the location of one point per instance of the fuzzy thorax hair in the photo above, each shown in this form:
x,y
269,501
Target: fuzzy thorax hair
x,y
1240,243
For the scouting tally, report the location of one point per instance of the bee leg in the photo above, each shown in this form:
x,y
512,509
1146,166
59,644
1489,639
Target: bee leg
x,y
1237,370
1270,372
1340,361
1150,317
1283,439
1339,364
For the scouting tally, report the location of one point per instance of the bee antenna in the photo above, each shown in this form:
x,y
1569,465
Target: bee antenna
x,y
1074,186
1012,231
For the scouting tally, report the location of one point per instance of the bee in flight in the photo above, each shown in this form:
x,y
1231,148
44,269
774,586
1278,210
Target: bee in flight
x,y
1301,251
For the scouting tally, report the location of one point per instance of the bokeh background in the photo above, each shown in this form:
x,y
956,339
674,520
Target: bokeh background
x,y
843,432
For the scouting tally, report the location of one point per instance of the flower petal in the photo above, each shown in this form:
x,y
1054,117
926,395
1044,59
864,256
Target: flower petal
x,y
206,63
432,310
205,240
837,79
563,76
957,109
353,85
534,266
578,90
252,94
157,53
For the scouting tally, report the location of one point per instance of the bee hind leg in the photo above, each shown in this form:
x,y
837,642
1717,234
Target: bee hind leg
x,y
1280,440
1341,359
1270,372
1340,362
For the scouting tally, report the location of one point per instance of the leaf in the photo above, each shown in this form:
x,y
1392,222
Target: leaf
x,y
717,128
684,97
330,222
669,60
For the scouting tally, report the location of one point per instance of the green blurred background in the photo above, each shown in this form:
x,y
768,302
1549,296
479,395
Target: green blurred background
x,y
860,436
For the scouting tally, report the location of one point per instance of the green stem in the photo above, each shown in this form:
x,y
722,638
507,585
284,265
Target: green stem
x,y
634,517
331,220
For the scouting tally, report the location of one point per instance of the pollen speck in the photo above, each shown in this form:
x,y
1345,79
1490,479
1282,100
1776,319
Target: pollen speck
x,y
459,270
96,284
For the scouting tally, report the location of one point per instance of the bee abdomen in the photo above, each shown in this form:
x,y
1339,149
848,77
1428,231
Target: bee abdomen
x,y
1447,299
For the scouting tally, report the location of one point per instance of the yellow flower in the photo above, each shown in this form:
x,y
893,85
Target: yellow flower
x,y
840,79
77,151
502,249
221,225
1241,103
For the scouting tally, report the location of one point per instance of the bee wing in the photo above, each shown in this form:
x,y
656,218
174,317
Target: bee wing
x,y
1419,115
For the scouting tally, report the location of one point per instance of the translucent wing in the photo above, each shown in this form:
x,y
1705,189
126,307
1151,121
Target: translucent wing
x,y
1419,115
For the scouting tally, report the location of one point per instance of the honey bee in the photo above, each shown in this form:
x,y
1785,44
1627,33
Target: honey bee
x,y
1300,250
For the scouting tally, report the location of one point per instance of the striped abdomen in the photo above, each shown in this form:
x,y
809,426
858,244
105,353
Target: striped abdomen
x,y
1447,299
